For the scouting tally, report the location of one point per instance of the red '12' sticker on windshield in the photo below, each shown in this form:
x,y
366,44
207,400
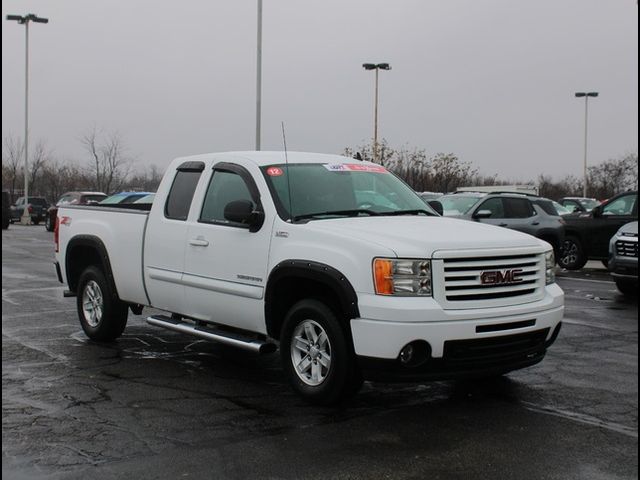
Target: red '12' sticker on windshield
x,y
274,171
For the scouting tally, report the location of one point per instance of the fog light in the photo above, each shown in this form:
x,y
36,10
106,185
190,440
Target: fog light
x,y
406,354
414,354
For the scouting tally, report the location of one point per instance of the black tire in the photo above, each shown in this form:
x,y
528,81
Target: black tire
x,y
36,221
627,287
5,224
96,295
573,256
322,382
48,224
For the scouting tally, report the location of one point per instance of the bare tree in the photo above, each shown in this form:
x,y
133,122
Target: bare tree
x,y
109,162
39,157
12,163
613,176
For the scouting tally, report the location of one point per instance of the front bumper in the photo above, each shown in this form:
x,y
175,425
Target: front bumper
x,y
460,342
623,267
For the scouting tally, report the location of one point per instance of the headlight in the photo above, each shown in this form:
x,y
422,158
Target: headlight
x,y
550,266
402,277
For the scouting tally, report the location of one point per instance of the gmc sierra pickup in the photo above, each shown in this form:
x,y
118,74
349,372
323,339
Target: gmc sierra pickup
x,y
335,261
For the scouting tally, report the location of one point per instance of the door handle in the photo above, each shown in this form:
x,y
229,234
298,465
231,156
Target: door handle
x,y
199,242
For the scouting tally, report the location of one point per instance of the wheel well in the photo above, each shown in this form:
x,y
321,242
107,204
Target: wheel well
x,y
83,252
291,290
293,281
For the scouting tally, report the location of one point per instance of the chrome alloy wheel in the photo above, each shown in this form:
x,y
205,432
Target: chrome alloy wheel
x,y
569,253
92,303
310,352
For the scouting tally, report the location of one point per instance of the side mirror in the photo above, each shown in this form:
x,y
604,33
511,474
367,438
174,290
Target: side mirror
x,y
437,206
480,214
241,211
576,209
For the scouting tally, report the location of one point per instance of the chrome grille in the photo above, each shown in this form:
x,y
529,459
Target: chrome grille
x,y
463,277
625,248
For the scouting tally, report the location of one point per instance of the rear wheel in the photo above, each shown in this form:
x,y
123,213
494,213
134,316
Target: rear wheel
x,y
572,257
48,224
102,314
316,354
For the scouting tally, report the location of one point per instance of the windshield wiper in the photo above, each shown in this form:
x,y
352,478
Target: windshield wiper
x,y
338,213
409,212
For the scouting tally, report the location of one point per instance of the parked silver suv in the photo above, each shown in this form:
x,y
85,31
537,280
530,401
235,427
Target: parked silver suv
x,y
526,213
623,258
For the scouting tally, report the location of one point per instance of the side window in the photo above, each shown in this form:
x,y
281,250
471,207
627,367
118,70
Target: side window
x,y
181,194
620,206
224,187
518,208
495,206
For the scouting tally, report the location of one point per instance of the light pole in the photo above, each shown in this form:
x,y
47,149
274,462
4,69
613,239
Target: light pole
x,y
24,20
376,67
586,96
259,77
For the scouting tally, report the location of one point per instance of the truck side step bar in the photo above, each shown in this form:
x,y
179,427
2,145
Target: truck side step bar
x,y
213,334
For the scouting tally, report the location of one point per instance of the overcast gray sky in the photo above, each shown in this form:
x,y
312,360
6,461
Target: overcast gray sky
x,y
492,81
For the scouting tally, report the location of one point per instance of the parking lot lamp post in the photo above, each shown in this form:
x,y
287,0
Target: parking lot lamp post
x,y
376,67
586,96
259,77
24,20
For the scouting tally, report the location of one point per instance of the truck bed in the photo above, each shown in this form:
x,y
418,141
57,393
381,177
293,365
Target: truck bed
x,y
121,229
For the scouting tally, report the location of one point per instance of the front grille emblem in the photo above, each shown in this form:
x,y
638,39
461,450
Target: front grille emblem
x,y
501,277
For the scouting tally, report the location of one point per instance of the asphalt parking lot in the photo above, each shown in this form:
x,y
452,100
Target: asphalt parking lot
x,y
157,404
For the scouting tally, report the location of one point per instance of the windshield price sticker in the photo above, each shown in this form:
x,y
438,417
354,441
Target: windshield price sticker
x,y
354,167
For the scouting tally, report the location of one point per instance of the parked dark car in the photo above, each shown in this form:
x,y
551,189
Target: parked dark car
x,y
37,207
529,214
588,234
623,258
6,209
579,204
72,198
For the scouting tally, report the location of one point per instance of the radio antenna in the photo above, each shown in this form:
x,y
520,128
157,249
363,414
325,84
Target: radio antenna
x,y
286,163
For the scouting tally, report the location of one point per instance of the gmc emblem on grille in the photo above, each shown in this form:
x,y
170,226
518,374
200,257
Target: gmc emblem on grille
x,y
501,277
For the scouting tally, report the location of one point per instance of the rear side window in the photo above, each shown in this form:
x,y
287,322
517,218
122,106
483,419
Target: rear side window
x,y
548,207
181,194
518,208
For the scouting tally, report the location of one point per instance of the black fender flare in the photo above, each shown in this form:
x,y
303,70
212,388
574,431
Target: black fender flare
x,y
96,244
309,270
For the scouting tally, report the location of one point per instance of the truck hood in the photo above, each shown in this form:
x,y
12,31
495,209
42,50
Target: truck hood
x,y
419,236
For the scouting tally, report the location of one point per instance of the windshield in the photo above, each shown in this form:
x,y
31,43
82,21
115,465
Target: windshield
x,y
589,203
458,204
562,210
340,190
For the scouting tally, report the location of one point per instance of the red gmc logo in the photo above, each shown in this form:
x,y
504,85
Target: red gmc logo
x,y
501,277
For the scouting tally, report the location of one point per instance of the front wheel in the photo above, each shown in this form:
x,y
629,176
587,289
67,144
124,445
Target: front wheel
x,y
572,257
48,224
316,354
627,287
102,314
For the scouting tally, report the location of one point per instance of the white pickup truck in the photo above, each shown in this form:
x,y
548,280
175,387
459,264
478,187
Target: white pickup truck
x,y
334,260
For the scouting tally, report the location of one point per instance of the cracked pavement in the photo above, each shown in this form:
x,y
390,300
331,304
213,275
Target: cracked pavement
x,y
158,404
